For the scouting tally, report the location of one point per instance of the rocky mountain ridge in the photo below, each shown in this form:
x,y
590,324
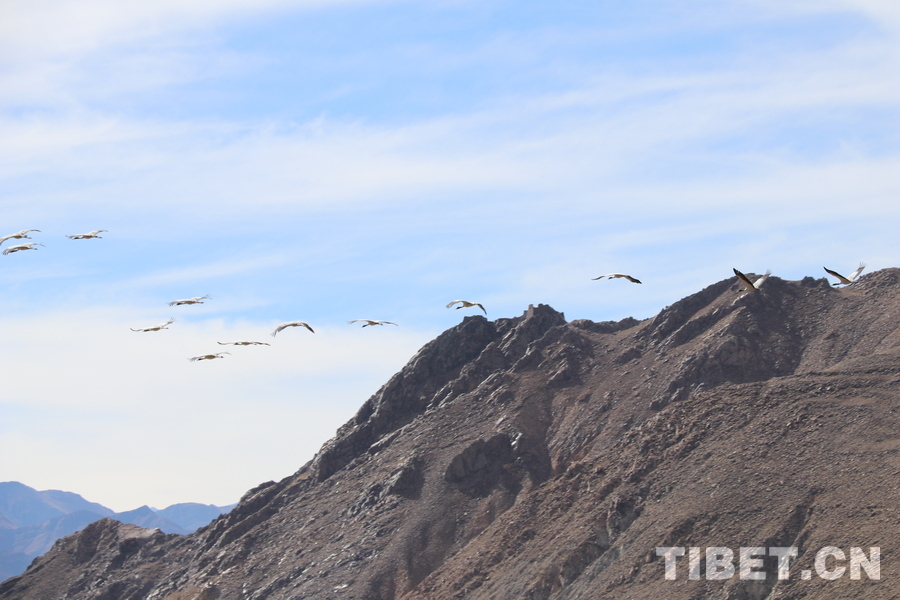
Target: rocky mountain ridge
x,y
537,458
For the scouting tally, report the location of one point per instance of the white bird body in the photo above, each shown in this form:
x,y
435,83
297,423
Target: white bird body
x,y
244,343
194,300
466,304
617,276
846,280
87,236
369,322
291,324
752,286
20,247
208,356
156,327
19,235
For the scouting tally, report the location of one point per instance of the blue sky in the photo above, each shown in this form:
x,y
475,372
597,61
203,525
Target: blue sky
x,y
328,161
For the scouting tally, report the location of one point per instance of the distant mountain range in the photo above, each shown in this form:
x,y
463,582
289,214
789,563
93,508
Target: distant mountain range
x,y
31,521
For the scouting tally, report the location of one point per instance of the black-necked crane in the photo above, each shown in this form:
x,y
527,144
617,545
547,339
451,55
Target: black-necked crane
x,y
208,356
20,247
617,276
369,322
194,300
244,343
846,280
751,286
156,327
19,235
291,324
466,304
88,236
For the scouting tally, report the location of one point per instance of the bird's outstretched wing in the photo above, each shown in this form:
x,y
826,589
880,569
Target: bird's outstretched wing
x,y
856,273
369,322
842,279
194,300
291,324
18,235
208,356
743,279
18,247
156,327
758,283
466,304
615,276
88,235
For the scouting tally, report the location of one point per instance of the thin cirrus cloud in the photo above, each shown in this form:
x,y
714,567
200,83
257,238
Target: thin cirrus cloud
x,y
311,163
55,27
590,133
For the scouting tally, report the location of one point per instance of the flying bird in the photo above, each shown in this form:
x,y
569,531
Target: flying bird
x,y
616,276
19,235
752,286
843,280
466,304
87,236
370,322
208,356
25,246
194,300
291,324
156,327
243,343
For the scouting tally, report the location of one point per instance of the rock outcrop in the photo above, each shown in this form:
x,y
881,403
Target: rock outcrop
x,y
542,459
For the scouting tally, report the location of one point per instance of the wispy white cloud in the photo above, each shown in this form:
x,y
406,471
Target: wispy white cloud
x,y
57,27
540,143
884,12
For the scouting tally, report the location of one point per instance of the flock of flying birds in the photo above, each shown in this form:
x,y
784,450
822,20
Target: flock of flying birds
x,y
748,284
197,299
23,235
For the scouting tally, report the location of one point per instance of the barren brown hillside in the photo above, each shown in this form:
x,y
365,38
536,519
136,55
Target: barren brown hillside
x,y
537,458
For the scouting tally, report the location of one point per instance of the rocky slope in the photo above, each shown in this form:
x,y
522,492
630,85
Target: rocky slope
x,y
31,521
542,459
